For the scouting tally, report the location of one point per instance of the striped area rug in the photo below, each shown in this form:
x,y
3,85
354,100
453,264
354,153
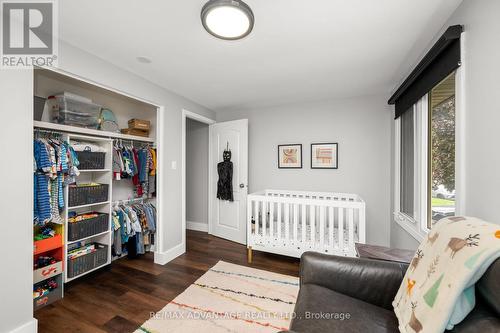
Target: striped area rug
x,y
229,298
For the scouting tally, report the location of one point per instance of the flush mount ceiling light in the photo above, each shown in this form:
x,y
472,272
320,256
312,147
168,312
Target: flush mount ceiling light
x,y
227,19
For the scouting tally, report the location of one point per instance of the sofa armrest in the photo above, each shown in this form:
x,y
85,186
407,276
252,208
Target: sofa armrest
x,y
369,280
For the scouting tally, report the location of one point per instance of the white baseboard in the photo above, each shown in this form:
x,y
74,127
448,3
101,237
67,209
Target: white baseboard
x,y
162,258
197,226
29,327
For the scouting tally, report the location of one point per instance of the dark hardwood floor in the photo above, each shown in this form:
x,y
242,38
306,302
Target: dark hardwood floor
x,y
121,298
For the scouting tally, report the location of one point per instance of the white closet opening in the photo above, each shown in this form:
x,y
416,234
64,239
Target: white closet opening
x,y
124,186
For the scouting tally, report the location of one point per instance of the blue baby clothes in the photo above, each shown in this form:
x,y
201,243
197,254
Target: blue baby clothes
x,y
64,159
41,156
42,209
143,165
51,163
60,196
54,202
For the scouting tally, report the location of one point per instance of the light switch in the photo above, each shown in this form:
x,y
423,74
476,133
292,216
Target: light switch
x,y
174,165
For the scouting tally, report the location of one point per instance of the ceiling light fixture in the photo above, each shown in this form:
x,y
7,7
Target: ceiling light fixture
x,y
227,19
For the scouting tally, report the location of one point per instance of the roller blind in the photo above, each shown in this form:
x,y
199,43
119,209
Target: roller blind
x,y
407,181
441,60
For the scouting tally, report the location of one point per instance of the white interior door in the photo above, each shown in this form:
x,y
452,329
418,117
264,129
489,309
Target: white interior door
x,y
228,219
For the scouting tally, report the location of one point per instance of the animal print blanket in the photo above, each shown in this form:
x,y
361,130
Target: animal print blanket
x,y
438,289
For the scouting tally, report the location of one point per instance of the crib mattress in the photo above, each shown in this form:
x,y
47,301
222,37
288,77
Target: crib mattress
x,y
260,238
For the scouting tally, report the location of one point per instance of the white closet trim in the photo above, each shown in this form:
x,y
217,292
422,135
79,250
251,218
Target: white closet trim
x,y
89,131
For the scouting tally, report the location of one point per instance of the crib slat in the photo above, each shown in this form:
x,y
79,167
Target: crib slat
x,y
330,228
256,216
249,222
362,226
322,227
312,223
287,221
271,221
295,219
351,227
279,223
264,220
304,219
341,228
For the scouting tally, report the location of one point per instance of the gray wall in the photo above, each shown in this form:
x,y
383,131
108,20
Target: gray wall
x,y
361,126
482,54
16,87
16,200
482,125
196,171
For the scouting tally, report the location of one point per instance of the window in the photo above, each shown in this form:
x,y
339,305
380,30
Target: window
x,y
442,151
425,160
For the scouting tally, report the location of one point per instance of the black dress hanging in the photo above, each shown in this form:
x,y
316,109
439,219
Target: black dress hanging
x,y
225,183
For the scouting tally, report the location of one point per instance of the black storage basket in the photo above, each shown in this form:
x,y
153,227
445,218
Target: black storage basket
x,y
88,227
80,195
91,161
89,261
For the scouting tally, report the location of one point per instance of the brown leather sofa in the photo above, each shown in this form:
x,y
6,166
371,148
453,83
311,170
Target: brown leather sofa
x,y
342,294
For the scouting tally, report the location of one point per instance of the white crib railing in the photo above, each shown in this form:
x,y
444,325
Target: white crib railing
x,y
293,222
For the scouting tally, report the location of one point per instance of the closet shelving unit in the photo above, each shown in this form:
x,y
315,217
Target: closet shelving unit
x,y
101,176
48,82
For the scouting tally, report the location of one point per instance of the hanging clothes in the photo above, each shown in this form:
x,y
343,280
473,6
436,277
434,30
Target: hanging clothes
x,y
137,164
55,163
225,183
134,228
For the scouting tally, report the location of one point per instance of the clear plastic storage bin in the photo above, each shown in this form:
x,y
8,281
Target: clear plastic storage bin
x,y
73,112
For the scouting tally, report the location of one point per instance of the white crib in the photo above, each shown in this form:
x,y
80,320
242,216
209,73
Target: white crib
x,y
293,222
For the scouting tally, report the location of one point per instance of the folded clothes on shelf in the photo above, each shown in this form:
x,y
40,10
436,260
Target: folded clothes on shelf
x,y
82,217
44,233
81,251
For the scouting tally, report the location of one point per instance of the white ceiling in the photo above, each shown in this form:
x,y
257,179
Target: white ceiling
x,y
300,50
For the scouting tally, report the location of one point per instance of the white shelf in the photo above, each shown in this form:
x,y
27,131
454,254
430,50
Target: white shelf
x,y
88,131
95,170
88,237
90,205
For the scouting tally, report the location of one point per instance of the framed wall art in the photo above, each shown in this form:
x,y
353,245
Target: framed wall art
x,y
290,156
324,156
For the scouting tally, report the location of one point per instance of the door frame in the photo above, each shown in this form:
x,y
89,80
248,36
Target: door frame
x,y
202,119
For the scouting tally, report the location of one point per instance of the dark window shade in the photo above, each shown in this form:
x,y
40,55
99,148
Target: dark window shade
x,y
407,195
442,59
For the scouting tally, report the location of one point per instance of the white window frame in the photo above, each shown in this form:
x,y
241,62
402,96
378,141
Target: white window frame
x,y
417,225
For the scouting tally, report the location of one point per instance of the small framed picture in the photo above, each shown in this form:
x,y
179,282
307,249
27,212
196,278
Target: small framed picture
x,y
290,156
324,155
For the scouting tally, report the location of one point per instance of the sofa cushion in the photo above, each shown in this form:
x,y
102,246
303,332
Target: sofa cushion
x,y
320,309
489,287
482,319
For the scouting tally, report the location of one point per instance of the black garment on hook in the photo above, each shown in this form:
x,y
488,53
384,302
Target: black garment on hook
x,y
225,183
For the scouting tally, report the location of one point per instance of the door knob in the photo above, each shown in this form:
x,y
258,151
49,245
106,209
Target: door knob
x,y
242,185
